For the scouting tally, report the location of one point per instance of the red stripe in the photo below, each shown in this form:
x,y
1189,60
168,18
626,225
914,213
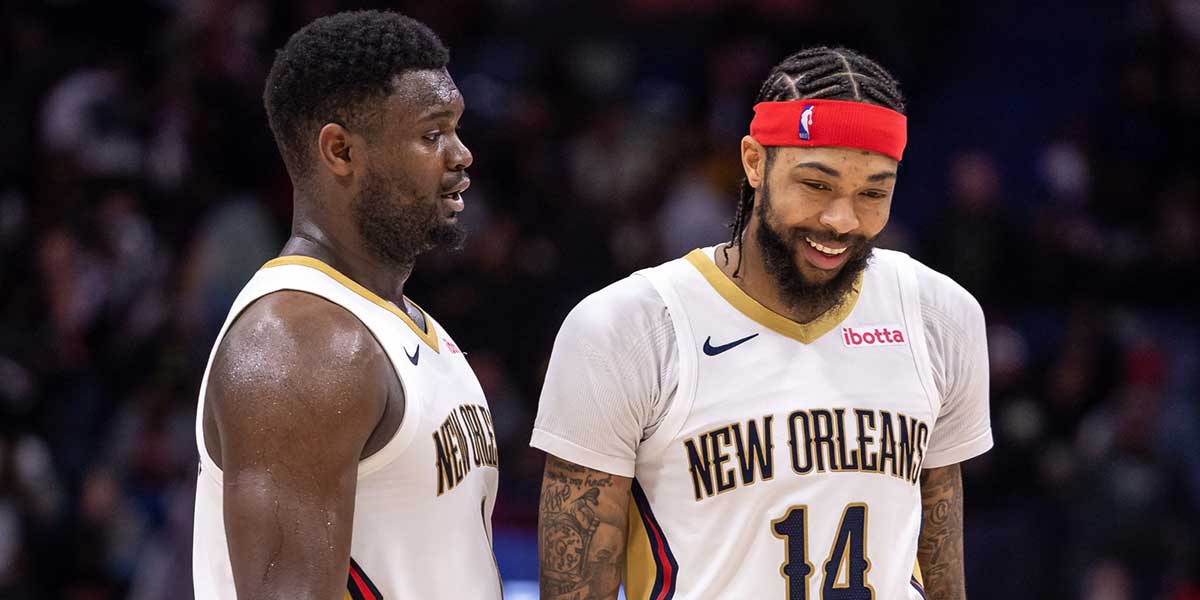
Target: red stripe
x,y
362,586
660,549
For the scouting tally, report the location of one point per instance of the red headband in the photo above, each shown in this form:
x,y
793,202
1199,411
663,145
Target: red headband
x,y
811,123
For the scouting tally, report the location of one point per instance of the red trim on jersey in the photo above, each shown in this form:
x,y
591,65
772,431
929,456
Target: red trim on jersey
x,y
664,559
811,123
360,586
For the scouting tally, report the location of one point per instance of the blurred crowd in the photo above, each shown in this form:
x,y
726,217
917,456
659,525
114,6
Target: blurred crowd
x,y
1052,169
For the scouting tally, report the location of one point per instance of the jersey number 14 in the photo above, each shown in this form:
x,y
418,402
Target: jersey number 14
x,y
847,565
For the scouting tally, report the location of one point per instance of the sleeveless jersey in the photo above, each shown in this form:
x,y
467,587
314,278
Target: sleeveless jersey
x,y
423,503
784,469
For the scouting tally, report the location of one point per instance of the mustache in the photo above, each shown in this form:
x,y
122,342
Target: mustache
x,y
853,240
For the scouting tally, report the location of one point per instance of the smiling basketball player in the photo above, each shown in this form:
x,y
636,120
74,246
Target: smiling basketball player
x,y
780,416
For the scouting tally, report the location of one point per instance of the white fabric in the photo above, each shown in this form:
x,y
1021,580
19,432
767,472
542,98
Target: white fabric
x,y
611,377
629,391
613,374
957,340
410,539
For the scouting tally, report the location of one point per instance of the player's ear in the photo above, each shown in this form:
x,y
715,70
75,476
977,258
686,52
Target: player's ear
x,y
336,149
754,161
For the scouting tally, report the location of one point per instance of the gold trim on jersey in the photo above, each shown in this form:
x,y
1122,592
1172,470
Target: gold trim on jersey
x,y
917,572
429,336
803,332
640,567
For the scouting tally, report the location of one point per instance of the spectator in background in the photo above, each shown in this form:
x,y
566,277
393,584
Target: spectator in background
x,y
31,493
976,240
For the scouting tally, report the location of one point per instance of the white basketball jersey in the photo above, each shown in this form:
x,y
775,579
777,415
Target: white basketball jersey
x,y
783,469
423,504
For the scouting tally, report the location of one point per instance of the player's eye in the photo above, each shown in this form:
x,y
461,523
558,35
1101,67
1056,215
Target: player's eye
x,y
817,185
875,194
433,136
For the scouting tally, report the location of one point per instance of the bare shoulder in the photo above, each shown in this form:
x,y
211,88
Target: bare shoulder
x,y
295,358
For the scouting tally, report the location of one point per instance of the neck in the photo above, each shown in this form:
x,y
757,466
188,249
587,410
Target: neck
x,y
756,282
347,254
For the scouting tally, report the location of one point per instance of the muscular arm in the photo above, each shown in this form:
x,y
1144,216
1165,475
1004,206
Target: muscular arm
x,y
581,532
296,390
940,550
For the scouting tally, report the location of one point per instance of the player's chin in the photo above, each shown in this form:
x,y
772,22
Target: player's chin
x,y
448,235
817,277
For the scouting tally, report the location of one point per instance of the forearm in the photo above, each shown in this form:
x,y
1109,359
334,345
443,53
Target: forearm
x,y
940,550
581,532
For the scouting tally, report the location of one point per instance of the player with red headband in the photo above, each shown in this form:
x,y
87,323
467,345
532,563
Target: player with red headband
x,y
782,415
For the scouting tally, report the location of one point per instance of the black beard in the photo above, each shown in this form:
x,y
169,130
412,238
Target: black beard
x,y
396,234
779,261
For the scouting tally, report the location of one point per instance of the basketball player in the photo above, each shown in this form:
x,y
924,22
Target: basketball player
x,y
780,416
346,447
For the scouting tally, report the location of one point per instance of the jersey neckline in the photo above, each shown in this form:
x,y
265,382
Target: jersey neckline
x,y
806,333
428,335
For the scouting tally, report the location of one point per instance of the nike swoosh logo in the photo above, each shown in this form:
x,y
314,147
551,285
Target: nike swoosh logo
x,y
414,357
712,350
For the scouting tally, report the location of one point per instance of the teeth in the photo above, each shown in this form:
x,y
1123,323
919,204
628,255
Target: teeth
x,y
825,249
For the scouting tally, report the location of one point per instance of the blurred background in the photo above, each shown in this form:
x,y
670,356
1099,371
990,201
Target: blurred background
x,y
1053,169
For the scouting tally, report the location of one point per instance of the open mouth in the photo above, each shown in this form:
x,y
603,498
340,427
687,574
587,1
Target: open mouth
x,y
453,196
826,250
824,257
454,202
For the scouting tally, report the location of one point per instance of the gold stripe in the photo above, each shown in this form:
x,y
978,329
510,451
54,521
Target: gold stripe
x,y
348,596
640,567
803,332
429,337
917,572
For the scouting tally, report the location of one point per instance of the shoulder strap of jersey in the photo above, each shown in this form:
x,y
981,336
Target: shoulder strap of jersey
x,y
914,322
664,278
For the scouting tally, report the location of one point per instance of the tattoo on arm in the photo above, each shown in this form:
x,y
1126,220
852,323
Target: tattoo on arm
x,y
581,532
940,550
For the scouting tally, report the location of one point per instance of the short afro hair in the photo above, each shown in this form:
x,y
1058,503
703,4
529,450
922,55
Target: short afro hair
x,y
333,68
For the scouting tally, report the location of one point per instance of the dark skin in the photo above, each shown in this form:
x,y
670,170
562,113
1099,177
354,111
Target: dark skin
x,y
300,391
836,191
940,549
581,531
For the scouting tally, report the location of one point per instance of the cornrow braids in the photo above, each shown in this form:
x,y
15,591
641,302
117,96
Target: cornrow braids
x,y
818,73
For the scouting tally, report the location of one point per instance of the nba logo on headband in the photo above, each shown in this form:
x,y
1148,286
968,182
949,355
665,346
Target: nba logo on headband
x,y
806,122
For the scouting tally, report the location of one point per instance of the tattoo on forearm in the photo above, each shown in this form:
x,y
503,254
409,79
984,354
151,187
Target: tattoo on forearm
x,y
581,540
940,550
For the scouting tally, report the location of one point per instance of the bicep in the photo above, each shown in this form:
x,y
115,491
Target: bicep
x,y
294,408
289,506
581,530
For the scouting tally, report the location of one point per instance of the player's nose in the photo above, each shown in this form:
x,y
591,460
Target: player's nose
x,y
459,157
839,216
